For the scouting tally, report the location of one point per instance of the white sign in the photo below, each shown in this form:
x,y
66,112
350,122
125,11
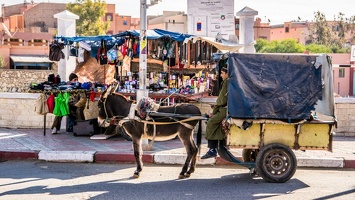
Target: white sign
x,y
352,58
210,17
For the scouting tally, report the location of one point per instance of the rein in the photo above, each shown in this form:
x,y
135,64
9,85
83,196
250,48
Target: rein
x,y
113,118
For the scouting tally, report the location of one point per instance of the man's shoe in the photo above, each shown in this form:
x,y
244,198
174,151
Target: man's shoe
x,y
54,131
69,129
212,153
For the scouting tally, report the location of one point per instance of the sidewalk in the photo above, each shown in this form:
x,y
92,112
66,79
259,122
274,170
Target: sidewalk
x,y
63,147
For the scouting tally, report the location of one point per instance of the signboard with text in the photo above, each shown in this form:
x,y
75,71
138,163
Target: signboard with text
x,y
210,17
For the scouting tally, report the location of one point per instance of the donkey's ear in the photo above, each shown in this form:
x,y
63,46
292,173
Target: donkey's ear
x,y
104,94
108,90
115,86
112,88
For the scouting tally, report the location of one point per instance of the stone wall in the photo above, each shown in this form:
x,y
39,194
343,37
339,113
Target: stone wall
x,y
20,80
345,113
18,111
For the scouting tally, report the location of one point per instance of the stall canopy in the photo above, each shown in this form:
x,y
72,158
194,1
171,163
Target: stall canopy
x,y
221,44
156,34
151,35
70,40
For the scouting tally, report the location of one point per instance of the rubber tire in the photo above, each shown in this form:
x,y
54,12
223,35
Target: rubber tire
x,y
249,155
282,160
122,132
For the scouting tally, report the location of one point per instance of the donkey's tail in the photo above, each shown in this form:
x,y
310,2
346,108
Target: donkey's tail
x,y
199,136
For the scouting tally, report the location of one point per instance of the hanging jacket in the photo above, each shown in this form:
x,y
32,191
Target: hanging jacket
x,y
41,105
58,101
55,51
65,108
50,103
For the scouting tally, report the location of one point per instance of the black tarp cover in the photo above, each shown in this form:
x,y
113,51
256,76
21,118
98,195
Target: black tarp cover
x,y
273,86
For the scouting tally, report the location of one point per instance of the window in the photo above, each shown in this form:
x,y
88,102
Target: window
x,y
341,72
125,22
287,29
335,28
109,17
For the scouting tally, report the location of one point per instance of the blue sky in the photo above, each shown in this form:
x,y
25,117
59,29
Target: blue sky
x,y
278,11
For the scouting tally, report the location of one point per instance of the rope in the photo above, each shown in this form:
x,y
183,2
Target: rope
x,y
165,123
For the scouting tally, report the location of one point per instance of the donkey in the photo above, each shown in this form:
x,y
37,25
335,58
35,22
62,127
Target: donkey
x,y
115,105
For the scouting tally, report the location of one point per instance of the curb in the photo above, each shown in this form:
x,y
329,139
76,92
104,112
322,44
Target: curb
x,y
67,156
101,157
151,158
18,155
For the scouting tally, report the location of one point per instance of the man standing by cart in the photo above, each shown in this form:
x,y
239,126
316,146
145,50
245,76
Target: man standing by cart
x,y
214,132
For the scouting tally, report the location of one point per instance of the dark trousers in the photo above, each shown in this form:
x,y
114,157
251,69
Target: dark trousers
x,y
212,144
75,113
56,123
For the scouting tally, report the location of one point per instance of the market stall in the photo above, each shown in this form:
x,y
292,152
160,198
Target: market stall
x,y
177,63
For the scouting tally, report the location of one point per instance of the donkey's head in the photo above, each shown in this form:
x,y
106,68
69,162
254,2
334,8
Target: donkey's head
x,y
112,104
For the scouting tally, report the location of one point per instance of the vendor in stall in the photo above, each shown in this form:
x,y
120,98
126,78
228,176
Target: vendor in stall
x,y
75,104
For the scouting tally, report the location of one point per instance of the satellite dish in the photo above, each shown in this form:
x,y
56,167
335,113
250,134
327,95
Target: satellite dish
x,y
4,29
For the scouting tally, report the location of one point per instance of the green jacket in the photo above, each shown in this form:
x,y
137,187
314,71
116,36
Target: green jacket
x,y
214,128
61,107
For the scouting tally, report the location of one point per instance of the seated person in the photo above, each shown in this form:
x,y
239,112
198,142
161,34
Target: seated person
x,y
76,108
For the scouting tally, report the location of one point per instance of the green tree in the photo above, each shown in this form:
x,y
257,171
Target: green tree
x,y
318,48
260,43
280,46
320,31
333,34
91,13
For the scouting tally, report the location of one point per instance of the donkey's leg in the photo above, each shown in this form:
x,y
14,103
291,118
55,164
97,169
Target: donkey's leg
x,y
191,151
194,156
137,147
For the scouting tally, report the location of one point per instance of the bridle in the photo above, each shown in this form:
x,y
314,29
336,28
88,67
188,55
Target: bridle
x,y
108,121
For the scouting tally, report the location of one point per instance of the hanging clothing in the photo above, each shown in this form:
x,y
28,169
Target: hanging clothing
x,y
61,106
50,103
81,53
41,106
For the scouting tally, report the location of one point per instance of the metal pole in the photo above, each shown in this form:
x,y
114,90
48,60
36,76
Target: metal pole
x,y
142,91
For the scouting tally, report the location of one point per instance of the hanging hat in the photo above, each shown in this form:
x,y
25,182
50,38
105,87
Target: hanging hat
x,y
72,76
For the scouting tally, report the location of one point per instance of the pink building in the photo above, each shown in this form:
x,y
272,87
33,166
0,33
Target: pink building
x,y
343,74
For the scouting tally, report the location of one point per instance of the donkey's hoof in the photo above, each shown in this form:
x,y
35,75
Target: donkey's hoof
x,y
135,175
187,175
181,176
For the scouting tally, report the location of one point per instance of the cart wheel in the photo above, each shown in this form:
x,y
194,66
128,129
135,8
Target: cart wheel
x,y
249,155
122,132
276,163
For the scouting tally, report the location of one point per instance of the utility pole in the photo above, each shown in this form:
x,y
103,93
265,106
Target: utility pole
x,y
143,46
142,91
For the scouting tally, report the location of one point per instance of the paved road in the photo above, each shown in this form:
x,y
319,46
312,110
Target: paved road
x,y
46,180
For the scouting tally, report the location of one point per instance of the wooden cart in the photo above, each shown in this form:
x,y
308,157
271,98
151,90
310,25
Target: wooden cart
x,y
268,144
